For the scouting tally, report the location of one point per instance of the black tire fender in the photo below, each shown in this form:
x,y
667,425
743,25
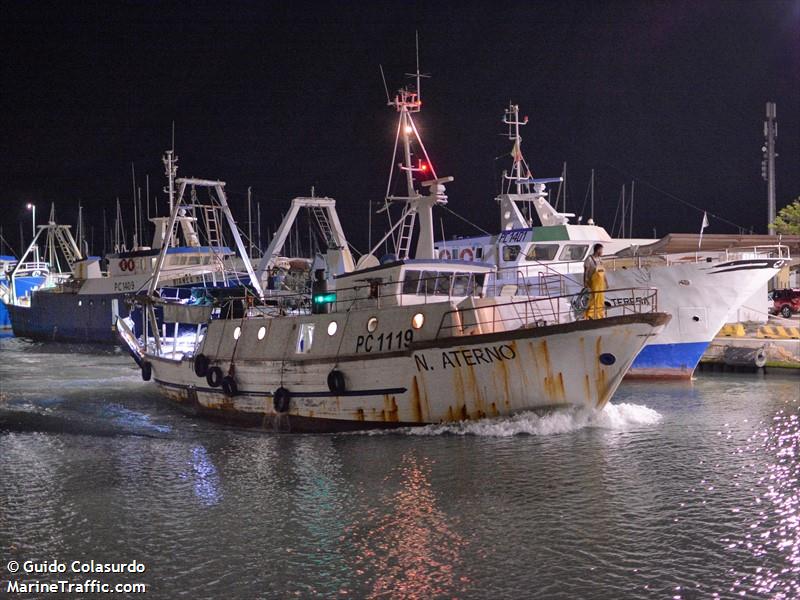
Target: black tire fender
x,y
201,364
214,377
336,382
147,371
281,399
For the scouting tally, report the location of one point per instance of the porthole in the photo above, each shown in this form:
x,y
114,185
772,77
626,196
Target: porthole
x,y
608,359
418,320
332,327
262,332
372,324
237,332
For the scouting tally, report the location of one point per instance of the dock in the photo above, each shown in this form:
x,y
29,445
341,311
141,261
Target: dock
x,y
755,347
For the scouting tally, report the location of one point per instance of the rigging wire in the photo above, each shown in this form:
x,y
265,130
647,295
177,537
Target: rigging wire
x,y
465,220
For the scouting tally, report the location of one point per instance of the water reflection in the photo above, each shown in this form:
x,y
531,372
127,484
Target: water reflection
x,y
405,546
772,537
205,476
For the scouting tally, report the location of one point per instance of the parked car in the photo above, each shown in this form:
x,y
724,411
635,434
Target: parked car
x,y
785,302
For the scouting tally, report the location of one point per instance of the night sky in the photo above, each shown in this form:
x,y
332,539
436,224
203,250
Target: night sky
x,y
285,96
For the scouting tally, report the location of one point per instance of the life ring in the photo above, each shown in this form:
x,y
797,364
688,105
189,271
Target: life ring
x,y
123,265
467,254
445,254
147,371
36,274
201,363
229,386
131,265
214,377
281,399
336,382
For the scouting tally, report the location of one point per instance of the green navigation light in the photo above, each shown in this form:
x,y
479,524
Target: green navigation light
x,y
324,298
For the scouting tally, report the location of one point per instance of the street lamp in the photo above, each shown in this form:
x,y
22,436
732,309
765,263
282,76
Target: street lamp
x,y
32,207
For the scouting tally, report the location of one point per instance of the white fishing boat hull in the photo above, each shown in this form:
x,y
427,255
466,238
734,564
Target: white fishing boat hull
x,y
433,380
699,296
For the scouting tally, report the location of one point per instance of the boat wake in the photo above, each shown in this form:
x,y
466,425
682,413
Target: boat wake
x,y
619,417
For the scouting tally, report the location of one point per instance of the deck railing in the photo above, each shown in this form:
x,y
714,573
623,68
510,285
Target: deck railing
x,y
539,312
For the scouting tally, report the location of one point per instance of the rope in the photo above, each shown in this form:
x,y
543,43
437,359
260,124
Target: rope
x,y
467,221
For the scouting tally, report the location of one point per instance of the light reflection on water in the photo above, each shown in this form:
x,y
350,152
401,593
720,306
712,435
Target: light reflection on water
x,y
404,544
677,490
774,508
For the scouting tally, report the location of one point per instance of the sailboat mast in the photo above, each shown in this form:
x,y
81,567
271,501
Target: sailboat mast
x,y
630,228
135,213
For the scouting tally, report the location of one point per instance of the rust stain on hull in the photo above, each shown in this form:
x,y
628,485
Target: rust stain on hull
x,y
600,379
416,405
389,412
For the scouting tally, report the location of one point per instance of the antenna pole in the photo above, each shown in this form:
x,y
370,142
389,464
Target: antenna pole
x,y
768,164
385,87
258,211
250,221
592,217
419,89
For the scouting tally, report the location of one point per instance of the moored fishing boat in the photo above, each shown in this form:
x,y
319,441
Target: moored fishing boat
x,y
85,306
406,341
698,288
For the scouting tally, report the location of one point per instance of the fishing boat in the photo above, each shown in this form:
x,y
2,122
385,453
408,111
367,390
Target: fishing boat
x,y
407,340
698,288
85,306
17,282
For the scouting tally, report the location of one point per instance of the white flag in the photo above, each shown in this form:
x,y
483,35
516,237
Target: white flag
x,y
702,227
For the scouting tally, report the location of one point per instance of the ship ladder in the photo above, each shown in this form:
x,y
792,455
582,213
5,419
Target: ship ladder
x,y
212,226
68,247
324,225
406,231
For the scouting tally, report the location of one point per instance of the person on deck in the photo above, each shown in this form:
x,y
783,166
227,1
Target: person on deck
x,y
594,278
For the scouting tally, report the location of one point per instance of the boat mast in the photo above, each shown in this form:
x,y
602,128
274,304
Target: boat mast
x,y
171,167
521,187
407,102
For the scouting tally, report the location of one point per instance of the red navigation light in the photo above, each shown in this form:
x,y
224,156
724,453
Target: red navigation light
x,y
423,167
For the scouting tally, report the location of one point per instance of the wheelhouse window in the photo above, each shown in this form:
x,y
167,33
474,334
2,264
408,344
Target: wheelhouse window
x,y
411,282
511,252
542,251
479,252
428,284
573,252
443,284
462,284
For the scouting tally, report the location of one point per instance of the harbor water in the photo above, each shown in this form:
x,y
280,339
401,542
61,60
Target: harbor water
x,y
675,490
